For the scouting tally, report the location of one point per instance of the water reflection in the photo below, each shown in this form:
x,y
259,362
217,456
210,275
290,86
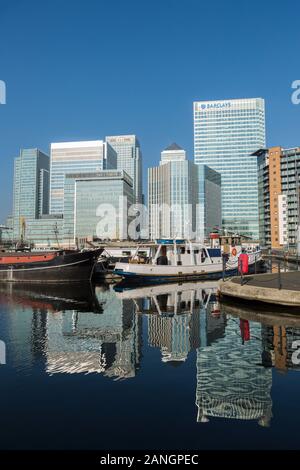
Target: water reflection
x,y
109,343
104,331
173,316
231,382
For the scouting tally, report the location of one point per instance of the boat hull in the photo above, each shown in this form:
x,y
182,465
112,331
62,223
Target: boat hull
x,y
142,278
66,267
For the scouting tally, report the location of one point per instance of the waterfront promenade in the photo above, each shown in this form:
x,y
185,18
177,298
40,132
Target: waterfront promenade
x,y
274,288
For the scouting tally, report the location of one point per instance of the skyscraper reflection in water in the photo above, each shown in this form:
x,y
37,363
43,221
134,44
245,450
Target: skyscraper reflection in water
x,y
231,380
174,322
86,331
108,343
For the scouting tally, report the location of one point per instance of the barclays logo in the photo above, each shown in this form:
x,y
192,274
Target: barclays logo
x,y
208,106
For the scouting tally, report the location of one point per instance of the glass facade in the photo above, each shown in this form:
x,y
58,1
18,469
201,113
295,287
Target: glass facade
x,y
76,157
31,191
184,198
209,211
172,200
226,133
130,160
85,193
45,232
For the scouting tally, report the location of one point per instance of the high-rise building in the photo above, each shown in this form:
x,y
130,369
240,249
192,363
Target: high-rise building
x,y
173,153
31,188
184,198
46,232
279,197
130,160
226,133
172,195
209,211
96,205
76,157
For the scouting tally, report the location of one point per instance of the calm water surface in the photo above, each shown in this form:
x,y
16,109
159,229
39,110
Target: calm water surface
x,y
163,367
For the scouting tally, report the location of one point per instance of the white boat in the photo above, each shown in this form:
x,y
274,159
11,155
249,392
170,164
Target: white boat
x,y
178,260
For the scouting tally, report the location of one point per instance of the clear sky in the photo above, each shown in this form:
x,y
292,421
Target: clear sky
x,y
83,69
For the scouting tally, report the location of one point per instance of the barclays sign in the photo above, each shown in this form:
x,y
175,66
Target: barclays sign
x,y
220,105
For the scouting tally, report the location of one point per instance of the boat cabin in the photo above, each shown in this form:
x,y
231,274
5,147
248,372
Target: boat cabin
x,y
179,253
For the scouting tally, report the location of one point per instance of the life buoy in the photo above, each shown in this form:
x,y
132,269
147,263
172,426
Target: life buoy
x,y
234,252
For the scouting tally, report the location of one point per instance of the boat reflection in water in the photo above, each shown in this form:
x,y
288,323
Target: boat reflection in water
x,y
50,297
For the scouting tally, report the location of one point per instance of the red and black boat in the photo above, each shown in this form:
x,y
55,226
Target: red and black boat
x,y
48,266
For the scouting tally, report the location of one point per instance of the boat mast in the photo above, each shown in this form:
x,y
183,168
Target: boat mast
x,y
56,233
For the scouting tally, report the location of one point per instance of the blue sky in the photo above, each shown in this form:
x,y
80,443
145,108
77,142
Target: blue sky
x,y
77,70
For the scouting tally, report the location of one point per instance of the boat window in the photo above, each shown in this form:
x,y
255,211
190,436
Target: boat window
x,y
179,263
203,255
214,252
196,251
182,250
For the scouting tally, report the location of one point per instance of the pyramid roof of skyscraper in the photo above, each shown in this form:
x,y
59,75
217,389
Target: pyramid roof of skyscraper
x,y
173,146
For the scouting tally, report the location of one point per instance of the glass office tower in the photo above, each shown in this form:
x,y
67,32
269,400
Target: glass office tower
x,y
31,188
76,157
209,211
172,195
96,206
226,133
184,198
130,160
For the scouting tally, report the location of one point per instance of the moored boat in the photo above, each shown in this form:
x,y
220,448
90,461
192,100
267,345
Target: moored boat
x,y
181,260
52,266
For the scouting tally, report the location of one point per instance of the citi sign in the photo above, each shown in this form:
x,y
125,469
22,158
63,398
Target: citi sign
x,y
207,106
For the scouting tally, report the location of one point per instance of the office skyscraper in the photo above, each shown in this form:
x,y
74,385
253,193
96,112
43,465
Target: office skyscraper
x,y
130,160
31,188
172,195
184,198
83,195
76,157
226,133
